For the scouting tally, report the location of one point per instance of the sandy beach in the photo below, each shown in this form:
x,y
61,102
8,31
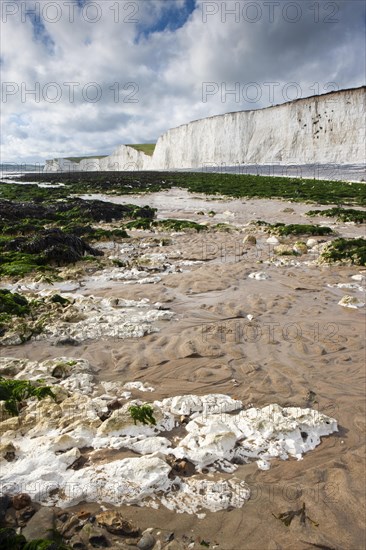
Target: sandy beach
x,y
297,348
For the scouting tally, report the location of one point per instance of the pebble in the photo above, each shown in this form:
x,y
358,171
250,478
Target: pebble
x,y
273,240
146,542
24,515
22,500
69,528
249,239
94,536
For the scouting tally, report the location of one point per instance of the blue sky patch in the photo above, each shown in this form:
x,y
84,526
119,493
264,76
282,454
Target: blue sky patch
x,y
40,33
172,19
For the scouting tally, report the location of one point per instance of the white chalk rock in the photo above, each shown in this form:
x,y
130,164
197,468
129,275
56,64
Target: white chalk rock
x,y
91,317
263,464
195,495
351,302
120,423
141,386
350,286
310,243
359,277
127,481
219,434
66,442
259,276
255,433
151,445
272,240
189,404
206,445
282,133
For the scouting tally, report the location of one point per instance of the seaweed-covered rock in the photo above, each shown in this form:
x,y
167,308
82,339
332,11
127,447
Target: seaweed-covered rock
x,y
300,247
94,210
284,250
9,540
12,303
15,211
105,211
351,251
55,246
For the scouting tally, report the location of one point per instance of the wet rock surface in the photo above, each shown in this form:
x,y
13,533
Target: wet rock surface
x,y
81,529
21,501
56,246
41,525
94,209
115,523
146,542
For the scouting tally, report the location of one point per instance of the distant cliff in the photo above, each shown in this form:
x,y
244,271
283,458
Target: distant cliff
x,y
323,129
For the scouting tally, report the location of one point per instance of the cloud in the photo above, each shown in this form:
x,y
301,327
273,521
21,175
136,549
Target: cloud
x,y
84,76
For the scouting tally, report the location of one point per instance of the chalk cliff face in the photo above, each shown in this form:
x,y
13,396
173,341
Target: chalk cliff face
x,y
321,129
123,158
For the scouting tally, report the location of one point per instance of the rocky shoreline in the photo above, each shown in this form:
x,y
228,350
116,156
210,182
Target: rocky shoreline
x,y
218,322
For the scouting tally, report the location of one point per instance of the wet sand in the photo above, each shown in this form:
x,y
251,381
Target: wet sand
x,y
299,341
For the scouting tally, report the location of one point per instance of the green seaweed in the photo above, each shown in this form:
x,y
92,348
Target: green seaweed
x,y
341,214
44,544
171,224
37,237
225,227
346,250
57,299
12,303
14,392
142,413
19,264
299,229
287,517
142,223
10,540
233,185
21,314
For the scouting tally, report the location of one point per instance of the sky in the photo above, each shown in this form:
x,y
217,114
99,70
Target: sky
x,y
80,77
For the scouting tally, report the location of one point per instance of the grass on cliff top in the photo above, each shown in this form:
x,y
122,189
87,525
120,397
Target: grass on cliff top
x,y
231,185
79,159
147,148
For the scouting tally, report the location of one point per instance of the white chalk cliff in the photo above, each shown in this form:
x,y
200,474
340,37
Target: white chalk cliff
x,y
322,129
